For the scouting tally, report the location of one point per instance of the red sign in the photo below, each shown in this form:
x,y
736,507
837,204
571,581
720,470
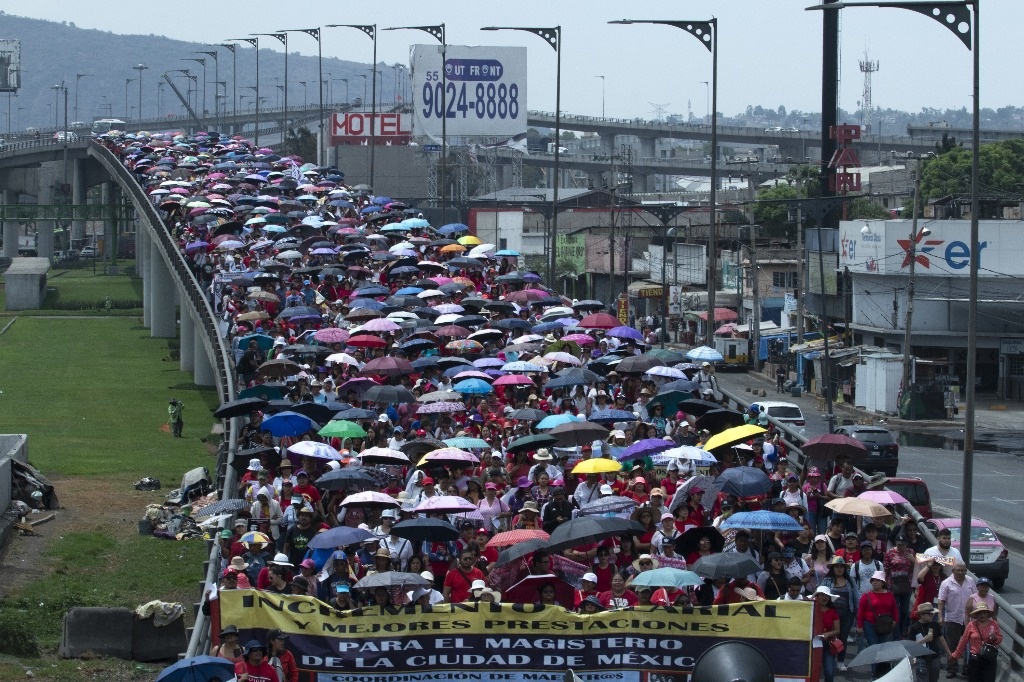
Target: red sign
x,y
355,128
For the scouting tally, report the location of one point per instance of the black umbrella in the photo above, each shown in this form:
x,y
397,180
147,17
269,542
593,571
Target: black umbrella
x,y
499,307
220,507
578,433
318,412
725,565
348,478
541,440
520,550
528,414
591,529
419,446
886,652
512,323
695,406
575,376
590,305
239,408
420,530
638,364
689,542
241,460
389,395
355,414
719,420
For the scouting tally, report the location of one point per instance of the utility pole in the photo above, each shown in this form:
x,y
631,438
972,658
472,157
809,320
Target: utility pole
x,y
799,263
907,323
755,318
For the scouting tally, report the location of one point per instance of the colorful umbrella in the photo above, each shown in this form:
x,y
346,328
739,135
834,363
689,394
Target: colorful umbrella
x,y
513,537
342,428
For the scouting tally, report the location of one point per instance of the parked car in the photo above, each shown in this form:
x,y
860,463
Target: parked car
x,y
989,559
88,252
916,492
787,413
883,450
65,136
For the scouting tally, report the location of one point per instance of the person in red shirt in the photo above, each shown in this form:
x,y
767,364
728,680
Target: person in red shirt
x,y
827,619
488,555
459,579
254,666
281,658
739,590
618,596
304,488
850,551
588,588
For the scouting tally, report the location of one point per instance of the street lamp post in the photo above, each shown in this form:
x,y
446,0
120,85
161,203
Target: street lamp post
x,y
707,33
159,98
216,81
140,68
707,102
439,35
234,75
255,42
78,77
202,107
345,81
553,37
56,105
283,37
363,101
314,33
960,17
602,94
127,81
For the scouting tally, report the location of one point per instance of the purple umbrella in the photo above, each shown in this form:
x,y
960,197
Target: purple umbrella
x,y
625,332
646,447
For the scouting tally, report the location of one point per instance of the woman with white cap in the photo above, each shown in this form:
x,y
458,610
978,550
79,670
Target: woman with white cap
x,y
831,645
877,614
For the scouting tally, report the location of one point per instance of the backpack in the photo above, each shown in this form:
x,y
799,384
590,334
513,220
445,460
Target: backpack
x,y
856,568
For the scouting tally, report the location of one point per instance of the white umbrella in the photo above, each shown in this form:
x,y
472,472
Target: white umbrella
x,y
342,359
289,255
311,448
481,250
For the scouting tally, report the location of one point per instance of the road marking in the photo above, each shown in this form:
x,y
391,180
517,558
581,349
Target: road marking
x,y
999,499
948,484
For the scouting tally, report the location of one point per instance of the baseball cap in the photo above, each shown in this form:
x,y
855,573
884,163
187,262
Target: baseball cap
x,y
341,587
427,480
591,577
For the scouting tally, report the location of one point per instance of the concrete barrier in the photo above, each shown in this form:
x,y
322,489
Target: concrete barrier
x,y
150,643
105,631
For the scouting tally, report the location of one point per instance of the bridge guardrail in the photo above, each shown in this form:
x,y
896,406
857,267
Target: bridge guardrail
x,y
1011,620
193,292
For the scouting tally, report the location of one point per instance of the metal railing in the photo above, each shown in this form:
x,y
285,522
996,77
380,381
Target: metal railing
x,y
1011,621
192,294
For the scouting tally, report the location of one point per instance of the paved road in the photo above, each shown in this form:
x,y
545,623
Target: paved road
x,y
998,494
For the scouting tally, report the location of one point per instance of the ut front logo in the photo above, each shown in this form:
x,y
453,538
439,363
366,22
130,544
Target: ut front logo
x,y
921,250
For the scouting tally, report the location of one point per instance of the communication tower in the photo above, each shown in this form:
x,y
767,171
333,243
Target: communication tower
x,y
867,67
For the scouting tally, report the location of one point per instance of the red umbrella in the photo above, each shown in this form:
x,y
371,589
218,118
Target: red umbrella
x,y
527,295
514,537
367,341
833,446
527,590
599,321
387,366
453,331
513,380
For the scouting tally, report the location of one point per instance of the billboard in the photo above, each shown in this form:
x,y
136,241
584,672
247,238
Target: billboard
x,y
10,65
517,642
480,90
355,127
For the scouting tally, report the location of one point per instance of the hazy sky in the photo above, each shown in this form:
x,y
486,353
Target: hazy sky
x,y
769,51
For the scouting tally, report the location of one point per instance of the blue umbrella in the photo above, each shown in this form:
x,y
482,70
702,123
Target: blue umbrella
x,y
423,363
373,290
418,345
339,536
488,362
545,327
609,416
372,208
704,354
366,303
453,228
288,423
478,386
744,481
197,669
409,291
355,414
763,520
507,252
553,420
382,200
667,577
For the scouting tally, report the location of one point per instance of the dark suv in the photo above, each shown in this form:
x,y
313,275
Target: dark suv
x,y
883,450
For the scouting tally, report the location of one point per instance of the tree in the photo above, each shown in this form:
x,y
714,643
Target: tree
x,y
302,143
772,210
1000,170
863,208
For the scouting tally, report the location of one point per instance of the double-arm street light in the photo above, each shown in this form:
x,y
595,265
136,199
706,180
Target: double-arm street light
x,y
313,33
202,107
283,37
371,32
127,82
438,33
216,79
255,42
960,17
140,68
553,37
707,33
234,75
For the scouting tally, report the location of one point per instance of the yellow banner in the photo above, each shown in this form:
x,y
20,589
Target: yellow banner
x,y
517,638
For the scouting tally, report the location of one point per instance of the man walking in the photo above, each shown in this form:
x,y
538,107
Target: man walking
x,y
174,417
954,592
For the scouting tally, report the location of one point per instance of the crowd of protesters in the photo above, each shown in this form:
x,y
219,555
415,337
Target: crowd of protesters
x,y
461,391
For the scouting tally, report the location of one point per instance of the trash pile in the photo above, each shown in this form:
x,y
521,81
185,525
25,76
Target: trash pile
x,y
173,519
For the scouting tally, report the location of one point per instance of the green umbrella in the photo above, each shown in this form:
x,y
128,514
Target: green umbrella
x,y
342,428
465,443
670,356
669,400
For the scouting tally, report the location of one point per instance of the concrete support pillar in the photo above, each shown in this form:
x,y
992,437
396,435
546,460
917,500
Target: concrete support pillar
x,y
647,148
45,228
203,373
10,197
188,342
142,261
107,197
163,308
78,197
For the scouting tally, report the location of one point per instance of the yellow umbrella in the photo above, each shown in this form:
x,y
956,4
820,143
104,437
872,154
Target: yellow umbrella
x,y
469,240
453,248
599,465
733,435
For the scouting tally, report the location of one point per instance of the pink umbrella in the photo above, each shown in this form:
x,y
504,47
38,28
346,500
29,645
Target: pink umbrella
x,y
370,498
513,380
883,497
473,374
331,335
448,504
382,456
380,325
437,280
581,339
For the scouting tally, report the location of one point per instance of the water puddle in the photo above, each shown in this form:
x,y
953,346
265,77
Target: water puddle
x,y
1008,442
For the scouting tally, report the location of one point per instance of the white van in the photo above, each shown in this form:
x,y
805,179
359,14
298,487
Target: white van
x,y
785,413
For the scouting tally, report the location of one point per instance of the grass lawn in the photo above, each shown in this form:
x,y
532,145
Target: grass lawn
x,y
83,291
92,393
